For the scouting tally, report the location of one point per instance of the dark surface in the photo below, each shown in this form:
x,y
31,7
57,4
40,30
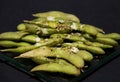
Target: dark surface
x,y
102,13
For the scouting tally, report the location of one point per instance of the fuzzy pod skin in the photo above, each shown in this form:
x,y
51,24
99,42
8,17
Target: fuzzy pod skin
x,y
55,52
59,66
7,43
108,41
63,15
115,36
21,49
12,35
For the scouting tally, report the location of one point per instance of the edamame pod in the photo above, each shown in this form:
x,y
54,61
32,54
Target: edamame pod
x,y
108,41
12,35
88,37
97,44
49,42
44,23
55,52
34,29
20,49
41,60
70,37
72,58
115,36
31,38
75,37
63,15
92,30
6,43
93,49
87,56
21,27
59,66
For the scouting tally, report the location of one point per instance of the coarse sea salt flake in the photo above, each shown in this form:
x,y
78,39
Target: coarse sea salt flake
x,y
74,26
37,44
37,39
50,18
74,49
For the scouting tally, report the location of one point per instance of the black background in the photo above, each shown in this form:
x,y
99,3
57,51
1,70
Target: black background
x,y
102,13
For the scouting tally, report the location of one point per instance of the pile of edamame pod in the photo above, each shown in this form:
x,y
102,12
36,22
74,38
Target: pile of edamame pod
x,y
57,42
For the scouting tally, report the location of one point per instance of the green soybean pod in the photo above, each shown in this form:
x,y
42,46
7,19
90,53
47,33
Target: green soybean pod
x,y
12,35
54,52
54,14
23,44
41,60
98,44
7,43
89,29
72,58
88,37
87,56
108,41
46,23
21,27
62,67
21,49
93,49
31,38
115,36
